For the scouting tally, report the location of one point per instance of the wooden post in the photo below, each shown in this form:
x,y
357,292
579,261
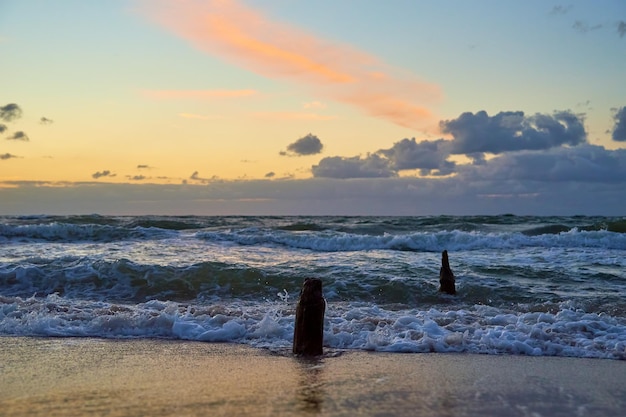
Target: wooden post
x,y
446,277
308,334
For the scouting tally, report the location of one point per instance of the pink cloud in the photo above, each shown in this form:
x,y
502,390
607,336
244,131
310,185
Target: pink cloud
x,y
248,38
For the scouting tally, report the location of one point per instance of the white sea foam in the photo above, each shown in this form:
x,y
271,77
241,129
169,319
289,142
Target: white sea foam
x,y
480,329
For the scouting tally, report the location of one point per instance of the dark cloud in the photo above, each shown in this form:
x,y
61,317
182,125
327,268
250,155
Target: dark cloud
x,y
10,112
19,136
621,28
560,9
7,156
144,167
45,121
583,163
196,177
271,174
619,130
105,173
3,128
583,27
136,177
512,131
319,196
430,157
307,145
372,166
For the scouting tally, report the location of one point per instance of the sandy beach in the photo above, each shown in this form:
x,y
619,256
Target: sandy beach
x,y
84,376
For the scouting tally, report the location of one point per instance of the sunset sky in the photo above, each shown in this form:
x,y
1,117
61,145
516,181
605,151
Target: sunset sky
x,y
328,107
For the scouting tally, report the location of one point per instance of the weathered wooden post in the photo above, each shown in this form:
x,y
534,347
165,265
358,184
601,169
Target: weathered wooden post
x,y
446,277
308,334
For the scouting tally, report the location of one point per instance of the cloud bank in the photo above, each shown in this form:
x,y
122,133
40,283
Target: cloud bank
x,y
250,39
320,196
371,166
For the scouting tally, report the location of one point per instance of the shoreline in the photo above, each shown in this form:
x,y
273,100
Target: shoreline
x,y
128,377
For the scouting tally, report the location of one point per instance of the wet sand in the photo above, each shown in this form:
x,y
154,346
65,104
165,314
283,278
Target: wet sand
x,y
83,376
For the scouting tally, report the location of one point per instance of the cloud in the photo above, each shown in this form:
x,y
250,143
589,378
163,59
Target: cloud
x,y
583,163
136,177
143,166
7,156
560,9
319,196
583,27
45,121
619,130
196,177
621,28
3,128
430,157
10,112
512,131
21,136
371,166
307,145
197,94
473,136
270,174
248,38
105,173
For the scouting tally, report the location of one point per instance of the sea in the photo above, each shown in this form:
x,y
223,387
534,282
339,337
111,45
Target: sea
x,y
526,285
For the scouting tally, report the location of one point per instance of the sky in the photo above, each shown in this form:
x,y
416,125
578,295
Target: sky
x,y
342,107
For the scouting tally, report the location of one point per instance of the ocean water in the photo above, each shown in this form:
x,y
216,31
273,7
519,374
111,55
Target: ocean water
x,y
551,286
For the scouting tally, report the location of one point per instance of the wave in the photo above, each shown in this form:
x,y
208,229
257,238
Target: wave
x,y
320,233
566,331
327,241
391,285
77,232
455,240
124,280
